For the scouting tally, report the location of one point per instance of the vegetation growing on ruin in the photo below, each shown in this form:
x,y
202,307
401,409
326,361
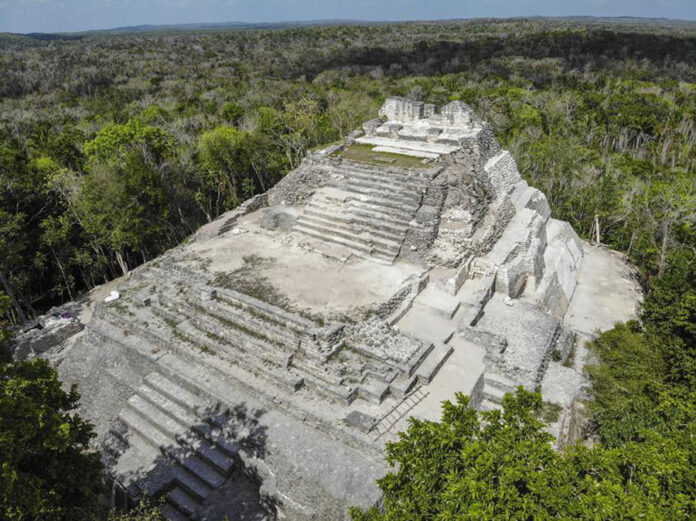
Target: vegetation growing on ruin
x,y
364,154
115,148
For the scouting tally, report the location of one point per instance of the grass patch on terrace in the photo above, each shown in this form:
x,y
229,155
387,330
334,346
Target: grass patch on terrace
x,y
249,280
365,154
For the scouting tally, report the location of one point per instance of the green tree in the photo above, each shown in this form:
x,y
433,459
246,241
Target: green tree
x,y
502,466
116,140
47,471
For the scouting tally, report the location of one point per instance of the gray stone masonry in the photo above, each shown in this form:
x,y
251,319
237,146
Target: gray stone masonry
x,y
260,368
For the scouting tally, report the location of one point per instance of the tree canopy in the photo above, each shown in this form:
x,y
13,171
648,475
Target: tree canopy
x,y
501,465
47,470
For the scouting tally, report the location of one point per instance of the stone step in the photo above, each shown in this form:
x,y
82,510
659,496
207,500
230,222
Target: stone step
x,y
385,201
400,214
214,435
355,186
223,385
167,406
278,355
308,367
380,200
276,314
335,392
369,244
384,185
202,470
117,329
191,484
174,392
387,222
408,146
181,364
147,432
406,151
210,323
500,382
167,314
247,360
352,245
402,385
487,405
493,394
420,175
114,444
207,458
282,378
213,456
158,420
366,237
408,183
368,169
373,391
172,513
376,228
431,365
257,325
392,220
182,503
397,222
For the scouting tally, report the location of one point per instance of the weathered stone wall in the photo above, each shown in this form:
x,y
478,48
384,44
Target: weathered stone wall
x,y
502,173
422,231
295,189
459,113
402,109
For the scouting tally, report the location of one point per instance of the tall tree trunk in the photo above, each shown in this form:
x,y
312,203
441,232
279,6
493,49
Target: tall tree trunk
x,y
663,248
122,263
15,304
62,272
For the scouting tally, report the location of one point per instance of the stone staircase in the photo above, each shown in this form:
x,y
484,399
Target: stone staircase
x,y
365,209
262,339
492,387
174,453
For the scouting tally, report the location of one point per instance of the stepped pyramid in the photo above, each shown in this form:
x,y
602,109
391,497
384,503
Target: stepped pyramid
x,y
258,370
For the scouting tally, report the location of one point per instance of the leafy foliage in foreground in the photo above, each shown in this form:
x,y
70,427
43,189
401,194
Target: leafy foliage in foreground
x,y
503,466
46,469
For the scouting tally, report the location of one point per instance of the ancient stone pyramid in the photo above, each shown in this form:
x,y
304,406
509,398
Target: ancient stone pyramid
x,y
262,366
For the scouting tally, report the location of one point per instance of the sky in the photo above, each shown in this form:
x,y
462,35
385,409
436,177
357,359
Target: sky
x,y
22,16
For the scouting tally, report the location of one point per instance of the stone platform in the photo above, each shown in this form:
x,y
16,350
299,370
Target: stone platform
x,y
258,370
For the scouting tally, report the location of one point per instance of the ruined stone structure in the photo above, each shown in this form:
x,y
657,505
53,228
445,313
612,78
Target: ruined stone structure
x,y
260,368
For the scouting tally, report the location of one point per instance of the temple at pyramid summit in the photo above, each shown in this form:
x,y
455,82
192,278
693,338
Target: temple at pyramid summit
x,y
260,367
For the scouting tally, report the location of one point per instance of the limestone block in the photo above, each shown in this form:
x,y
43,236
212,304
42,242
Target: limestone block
x,y
370,127
401,109
502,173
458,113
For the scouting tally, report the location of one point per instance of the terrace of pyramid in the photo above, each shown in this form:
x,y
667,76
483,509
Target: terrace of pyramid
x,y
258,370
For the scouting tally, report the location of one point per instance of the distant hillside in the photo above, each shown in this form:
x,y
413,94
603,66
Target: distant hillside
x,y
224,25
236,25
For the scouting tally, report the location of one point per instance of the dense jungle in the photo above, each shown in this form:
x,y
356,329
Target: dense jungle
x,y
117,147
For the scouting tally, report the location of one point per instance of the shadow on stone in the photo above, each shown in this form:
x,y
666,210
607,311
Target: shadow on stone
x,y
206,472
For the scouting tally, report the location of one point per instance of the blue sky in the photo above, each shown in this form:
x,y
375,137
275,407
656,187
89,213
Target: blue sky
x,y
77,15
